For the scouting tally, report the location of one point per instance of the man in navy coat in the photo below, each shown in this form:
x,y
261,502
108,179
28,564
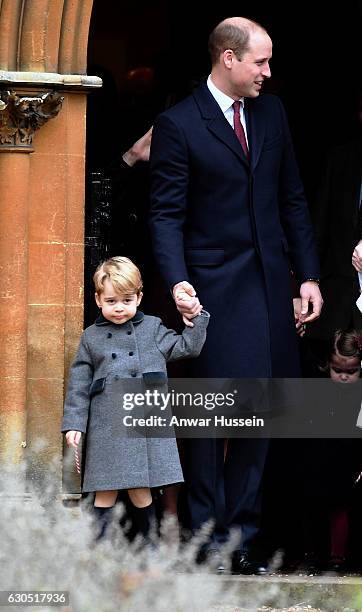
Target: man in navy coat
x,y
228,216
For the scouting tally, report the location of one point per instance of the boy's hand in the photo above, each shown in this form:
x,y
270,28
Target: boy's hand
x,y
299,325
73,438
186,302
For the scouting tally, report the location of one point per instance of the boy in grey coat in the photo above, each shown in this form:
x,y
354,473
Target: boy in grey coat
x,y
123,343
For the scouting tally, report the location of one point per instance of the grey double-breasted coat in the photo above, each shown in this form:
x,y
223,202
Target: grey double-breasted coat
x,y
107,352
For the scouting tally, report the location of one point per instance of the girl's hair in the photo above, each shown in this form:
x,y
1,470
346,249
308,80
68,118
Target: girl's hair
x,y
122,273
347,343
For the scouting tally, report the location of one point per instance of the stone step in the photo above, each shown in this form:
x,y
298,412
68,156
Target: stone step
x,y
271,593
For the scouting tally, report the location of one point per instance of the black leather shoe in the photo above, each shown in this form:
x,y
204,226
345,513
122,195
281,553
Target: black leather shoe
x,y
337,565
309,565
212,558
241,564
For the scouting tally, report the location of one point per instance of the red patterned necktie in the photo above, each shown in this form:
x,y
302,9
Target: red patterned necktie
x,y
238,127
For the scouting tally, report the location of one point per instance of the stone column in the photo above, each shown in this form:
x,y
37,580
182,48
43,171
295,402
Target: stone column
x,y
20,117
41,255
43,47
55,279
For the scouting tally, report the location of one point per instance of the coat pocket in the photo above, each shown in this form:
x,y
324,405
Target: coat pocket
x,y
154,378
204,257
97,386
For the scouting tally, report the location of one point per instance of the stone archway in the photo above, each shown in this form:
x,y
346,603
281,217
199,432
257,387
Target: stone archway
x,y
43,51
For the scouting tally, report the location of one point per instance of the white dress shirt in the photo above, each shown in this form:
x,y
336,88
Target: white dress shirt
x,y
226,105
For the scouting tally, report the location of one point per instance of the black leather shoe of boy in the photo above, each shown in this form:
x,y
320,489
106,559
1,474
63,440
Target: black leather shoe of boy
x,y
242,564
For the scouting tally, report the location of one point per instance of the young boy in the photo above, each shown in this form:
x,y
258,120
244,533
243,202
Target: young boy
x,y
123,343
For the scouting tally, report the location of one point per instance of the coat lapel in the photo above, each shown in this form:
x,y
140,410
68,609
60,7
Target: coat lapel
x,y
219,126
255,124
216,122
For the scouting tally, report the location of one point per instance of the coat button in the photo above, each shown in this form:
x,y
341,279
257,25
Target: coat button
x,y
129,333
131,353
134,374
109,335
114,355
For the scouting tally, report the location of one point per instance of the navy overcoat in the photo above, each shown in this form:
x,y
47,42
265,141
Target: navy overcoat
x,y
231,227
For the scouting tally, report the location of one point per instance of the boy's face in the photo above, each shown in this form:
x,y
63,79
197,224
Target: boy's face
x,y
116,307
344,369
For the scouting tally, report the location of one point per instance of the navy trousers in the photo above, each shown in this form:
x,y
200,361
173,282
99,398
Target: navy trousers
x,y
228,492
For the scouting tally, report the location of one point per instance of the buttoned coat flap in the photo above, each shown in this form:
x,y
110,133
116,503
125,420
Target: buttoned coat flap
x,y
154,378
97,386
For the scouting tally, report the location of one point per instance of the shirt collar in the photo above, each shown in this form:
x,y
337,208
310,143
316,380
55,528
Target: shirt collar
x,y
224,101
101,320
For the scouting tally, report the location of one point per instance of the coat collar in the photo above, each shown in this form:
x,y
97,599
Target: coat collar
x,y
219,126
100,320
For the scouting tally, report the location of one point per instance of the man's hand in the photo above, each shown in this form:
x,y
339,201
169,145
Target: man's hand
x,y
140,150
186,302
311,296
357,257
73,438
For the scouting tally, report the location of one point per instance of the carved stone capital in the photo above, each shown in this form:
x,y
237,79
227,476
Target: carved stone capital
x,y
21,116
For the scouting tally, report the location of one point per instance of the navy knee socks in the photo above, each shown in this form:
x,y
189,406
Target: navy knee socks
x,y
103,517
143,520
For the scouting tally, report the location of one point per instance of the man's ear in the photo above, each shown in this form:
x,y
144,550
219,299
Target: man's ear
x,y
140,296
228,57
97,300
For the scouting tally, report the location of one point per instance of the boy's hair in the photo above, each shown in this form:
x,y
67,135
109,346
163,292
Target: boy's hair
x,y
122,273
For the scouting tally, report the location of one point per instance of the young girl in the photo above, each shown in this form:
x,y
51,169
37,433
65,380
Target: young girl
x,y
123,343
332,465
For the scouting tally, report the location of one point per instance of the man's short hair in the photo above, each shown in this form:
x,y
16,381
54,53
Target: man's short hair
x,y
229,36
122,273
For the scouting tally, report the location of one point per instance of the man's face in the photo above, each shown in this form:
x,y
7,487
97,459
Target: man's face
x,y
248,74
